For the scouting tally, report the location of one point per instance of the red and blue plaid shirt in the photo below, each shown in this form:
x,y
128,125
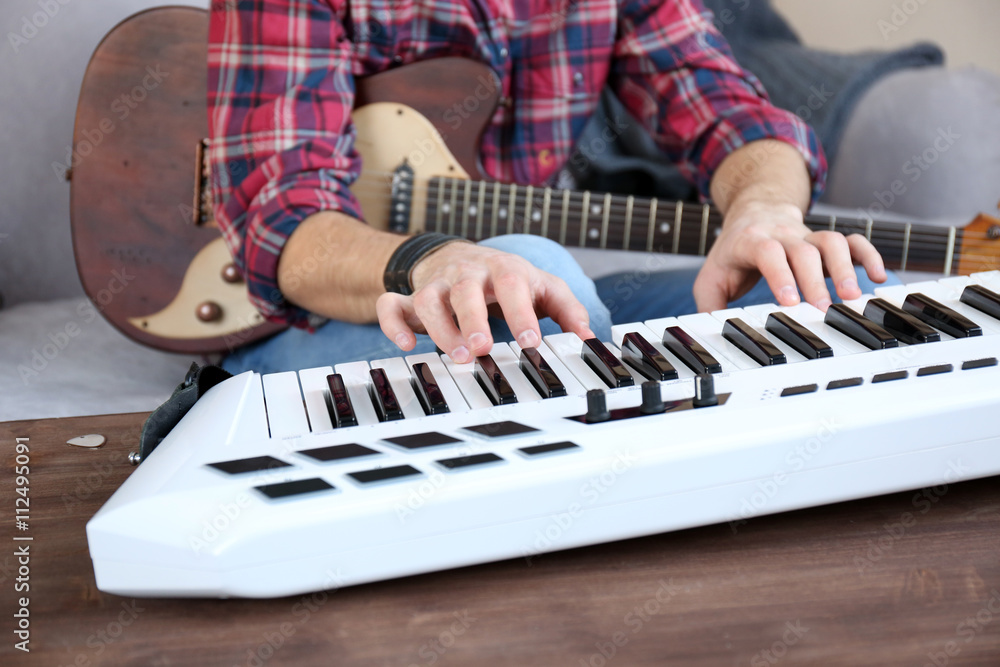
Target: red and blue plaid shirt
x,y
281,89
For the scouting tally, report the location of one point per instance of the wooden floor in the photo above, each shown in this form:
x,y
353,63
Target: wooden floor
x,y
905,579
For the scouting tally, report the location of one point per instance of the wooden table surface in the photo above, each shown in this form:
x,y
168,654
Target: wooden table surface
x,y
903,579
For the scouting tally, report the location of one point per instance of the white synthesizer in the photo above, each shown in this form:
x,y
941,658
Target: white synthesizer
x,y
293,482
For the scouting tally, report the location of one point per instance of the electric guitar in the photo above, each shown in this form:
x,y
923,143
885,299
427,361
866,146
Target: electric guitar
x,y
141,214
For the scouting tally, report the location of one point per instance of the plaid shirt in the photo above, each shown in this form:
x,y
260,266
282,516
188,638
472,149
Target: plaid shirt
x,y
281,88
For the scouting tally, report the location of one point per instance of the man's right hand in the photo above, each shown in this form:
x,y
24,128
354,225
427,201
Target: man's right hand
x,y
458,286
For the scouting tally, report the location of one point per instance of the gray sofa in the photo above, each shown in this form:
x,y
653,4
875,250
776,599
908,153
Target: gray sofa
x,y
59,358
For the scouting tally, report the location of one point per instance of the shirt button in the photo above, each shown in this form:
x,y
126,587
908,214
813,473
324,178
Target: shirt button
x,y
397,58
504,52
578,78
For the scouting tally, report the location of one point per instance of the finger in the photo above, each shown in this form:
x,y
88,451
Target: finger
x,y
865,254
469,305
807,265
557,301
514,296
772,262
393,311
710,292
434,312
837,259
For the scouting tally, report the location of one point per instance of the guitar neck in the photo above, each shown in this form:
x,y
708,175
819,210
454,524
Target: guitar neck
x,y
582,219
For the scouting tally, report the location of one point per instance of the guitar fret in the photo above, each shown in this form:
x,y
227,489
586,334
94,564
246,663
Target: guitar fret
x,y
584,216
906,246
438,222
465,209
495,208
604,221
678,220
565,215
950,254
627,237
651,227
527,208
702,240
511,207
452,206
833,223
481,204
546,198
868,229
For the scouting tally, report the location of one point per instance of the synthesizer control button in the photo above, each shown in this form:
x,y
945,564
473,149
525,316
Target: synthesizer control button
x,y
597,407
638,353
890,376
253,464
422,440
383,474
900,323
848,322
801,389
940,316
704,392
538,450
469,461
504,429
935,370
493,381
843,384
755,346
652,399
540,374
982,299
605,364
427,390
338,452
690,351
296,488
342,412
979,363
798,337
384,398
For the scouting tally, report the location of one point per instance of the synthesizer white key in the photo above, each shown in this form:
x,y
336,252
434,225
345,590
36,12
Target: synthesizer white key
x,y
286,413
398,374
989,279
357,380
314,392
464,376
572,385
452,394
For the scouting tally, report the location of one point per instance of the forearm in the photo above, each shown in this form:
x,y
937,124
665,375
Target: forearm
x,y
333,265
768,171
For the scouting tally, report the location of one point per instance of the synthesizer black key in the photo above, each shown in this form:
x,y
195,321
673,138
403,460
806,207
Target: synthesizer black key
x,y
427,390
493,381
900,323
605,364
640,354
540,374
383,396
848,322
690,351
940,316
341,410
798,337
982,299
751,343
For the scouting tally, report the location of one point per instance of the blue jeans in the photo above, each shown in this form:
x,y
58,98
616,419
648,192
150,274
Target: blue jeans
x,y
619,298
337,342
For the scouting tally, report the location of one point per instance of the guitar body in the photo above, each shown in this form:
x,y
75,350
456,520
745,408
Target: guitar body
x,y
146,254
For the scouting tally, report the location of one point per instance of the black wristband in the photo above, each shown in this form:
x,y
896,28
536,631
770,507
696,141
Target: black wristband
x,y
397,272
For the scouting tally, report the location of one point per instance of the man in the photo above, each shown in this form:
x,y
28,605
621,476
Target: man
x,y
281,76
